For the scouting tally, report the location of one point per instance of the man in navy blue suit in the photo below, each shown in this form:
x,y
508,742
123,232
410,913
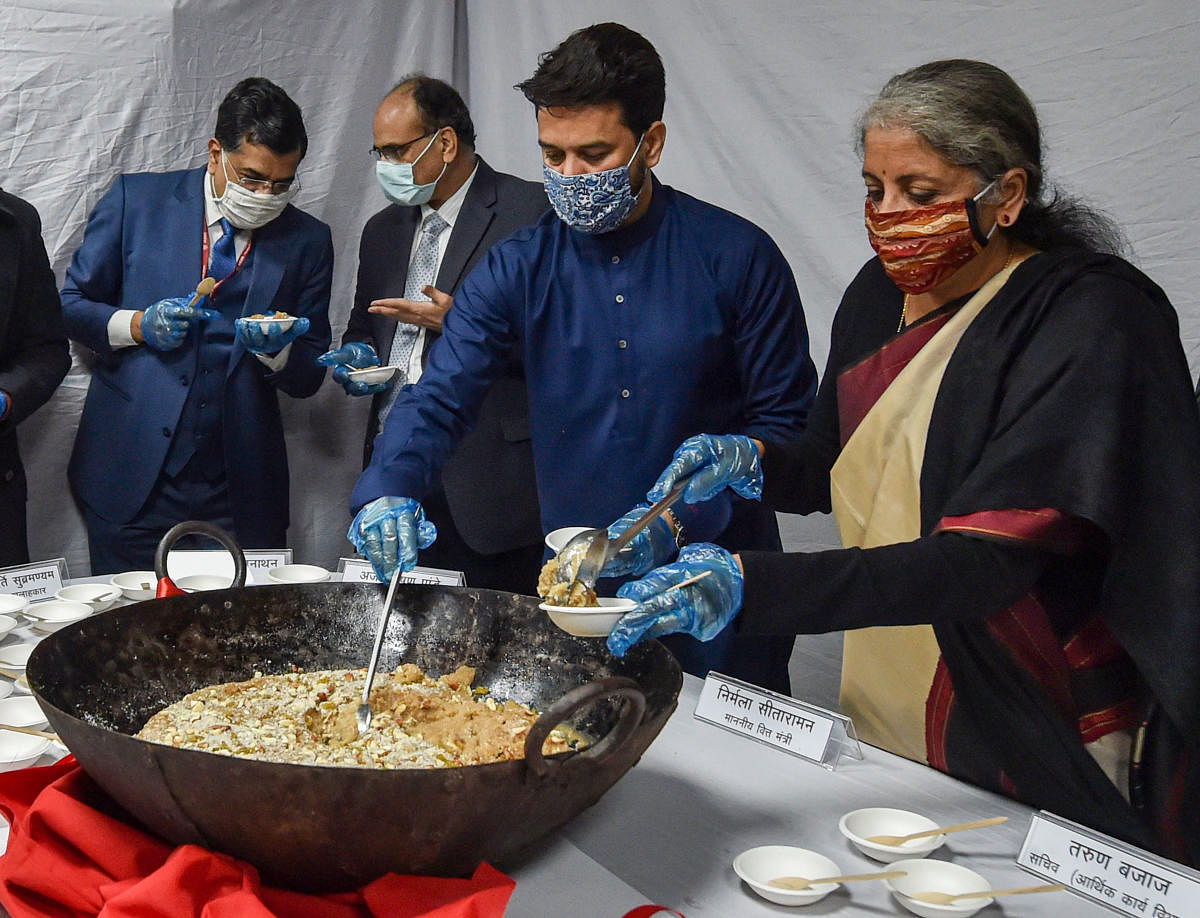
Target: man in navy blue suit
x,y
182,417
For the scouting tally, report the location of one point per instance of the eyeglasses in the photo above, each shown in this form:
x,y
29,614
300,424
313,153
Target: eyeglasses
x,y
394,152
261,186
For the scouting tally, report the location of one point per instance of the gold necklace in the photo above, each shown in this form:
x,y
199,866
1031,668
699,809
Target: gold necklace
x,y
904,308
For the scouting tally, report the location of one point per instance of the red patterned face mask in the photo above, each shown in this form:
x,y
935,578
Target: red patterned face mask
x,y
921,247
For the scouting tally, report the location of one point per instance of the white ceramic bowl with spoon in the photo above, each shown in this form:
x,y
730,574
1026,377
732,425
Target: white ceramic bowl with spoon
x,y
136,585
758,866
859,825
926,875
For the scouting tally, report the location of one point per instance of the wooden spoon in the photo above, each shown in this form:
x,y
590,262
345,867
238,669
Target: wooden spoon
x,y
42,733
945,830
941,898
805,883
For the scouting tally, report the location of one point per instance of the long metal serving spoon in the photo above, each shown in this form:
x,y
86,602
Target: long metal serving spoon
x,y
362,714
601,549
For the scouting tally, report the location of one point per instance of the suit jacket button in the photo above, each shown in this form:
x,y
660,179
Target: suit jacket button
x,y
166,431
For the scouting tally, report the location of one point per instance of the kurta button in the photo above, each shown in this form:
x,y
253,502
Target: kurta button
x,y
166,431
620,298
183,379
624,393
616,259
622,344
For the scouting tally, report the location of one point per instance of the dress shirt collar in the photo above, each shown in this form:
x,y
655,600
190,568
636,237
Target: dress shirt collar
x,y
453,204
212,210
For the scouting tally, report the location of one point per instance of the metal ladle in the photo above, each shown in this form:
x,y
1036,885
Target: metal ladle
x,y
601,549
362,715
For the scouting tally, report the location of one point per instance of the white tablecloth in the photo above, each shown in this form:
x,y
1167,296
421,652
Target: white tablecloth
x,y
668,831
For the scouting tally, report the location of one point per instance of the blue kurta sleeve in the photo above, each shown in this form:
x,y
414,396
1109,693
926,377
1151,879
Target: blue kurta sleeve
x,y
430,418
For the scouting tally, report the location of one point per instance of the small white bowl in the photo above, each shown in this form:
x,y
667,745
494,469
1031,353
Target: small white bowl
x,y
858,825
938,876
7,623
298,573
195,583
15,656
53,614
136,585
21,711
557,539
12,604
99,596
20,750
373,375
758,866
589,621
265,325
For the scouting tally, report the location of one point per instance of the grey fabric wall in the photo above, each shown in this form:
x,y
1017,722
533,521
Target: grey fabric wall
x,y
761,97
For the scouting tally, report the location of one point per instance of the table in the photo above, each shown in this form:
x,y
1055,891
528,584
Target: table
x,y
668,831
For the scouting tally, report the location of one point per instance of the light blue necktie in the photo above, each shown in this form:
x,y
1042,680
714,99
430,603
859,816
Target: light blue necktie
x,y
421,271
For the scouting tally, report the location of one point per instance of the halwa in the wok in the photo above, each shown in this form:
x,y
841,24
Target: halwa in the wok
x,y
308,718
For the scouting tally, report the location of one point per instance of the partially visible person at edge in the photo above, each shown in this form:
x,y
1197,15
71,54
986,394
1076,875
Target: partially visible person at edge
x,y
643,316
182,415
1007,435
34,356
448,207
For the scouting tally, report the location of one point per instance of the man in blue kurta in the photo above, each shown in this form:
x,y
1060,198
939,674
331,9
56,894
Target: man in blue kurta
x,y
182,417
643,315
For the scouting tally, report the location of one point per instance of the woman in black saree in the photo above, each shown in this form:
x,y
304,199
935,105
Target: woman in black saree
x,y
1007,434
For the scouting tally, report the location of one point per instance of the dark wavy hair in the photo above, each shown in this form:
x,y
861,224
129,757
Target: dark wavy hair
x,y
439,105
976,116
602,63
258,111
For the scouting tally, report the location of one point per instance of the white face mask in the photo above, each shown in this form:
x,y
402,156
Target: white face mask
x,y
247,210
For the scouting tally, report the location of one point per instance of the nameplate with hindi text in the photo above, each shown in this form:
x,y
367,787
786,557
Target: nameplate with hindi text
x,y
35,581
185,562
1108,872
357,570
767,717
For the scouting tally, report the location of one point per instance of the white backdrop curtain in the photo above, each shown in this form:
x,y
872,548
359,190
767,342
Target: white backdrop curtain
x,y
761,97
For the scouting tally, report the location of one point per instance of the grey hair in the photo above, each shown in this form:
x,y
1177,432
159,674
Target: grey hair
x,y
977,117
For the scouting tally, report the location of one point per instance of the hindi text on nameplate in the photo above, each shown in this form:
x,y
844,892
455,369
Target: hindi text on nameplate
x,y
219,562
1112,873
356,570
35,581
801,729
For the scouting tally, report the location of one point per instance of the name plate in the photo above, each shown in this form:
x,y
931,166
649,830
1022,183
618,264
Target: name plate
x,y
184,562
356,570
35,581
777,720
1109,872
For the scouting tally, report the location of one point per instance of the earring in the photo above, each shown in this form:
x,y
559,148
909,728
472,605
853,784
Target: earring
x,y
1004,219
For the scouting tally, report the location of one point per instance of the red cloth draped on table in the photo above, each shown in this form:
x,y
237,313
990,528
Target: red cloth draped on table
x,y
70,853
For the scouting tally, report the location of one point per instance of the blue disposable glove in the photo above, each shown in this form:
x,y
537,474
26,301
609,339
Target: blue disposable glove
x,y
713,462
389,531
650,548
273,340
353,355
166,324
702,609
3,403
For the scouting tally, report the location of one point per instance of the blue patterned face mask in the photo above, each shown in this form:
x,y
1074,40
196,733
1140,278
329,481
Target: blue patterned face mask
x,y
592,202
